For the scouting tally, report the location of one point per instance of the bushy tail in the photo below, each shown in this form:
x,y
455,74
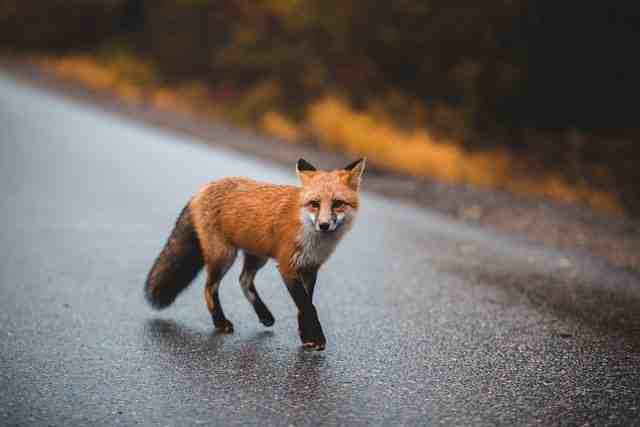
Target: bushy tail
x,y
177,265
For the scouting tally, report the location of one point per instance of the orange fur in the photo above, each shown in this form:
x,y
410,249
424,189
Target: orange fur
x,y
238,213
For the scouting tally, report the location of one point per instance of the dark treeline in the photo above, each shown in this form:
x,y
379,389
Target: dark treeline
x,y
531,63
512,65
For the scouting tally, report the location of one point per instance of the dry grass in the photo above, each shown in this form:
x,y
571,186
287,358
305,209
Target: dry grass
x,y
133,80
334,124
276,124
420,153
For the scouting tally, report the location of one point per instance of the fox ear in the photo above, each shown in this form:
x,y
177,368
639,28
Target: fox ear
x,y
304,166
304,170
355,170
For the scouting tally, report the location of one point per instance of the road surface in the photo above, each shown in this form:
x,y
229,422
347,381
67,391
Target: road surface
x,y
428,321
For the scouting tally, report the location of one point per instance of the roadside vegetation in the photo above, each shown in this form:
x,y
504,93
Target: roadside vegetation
x,y
497,97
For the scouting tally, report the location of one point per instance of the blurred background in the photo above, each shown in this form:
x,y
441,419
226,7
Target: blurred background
x,y
530,96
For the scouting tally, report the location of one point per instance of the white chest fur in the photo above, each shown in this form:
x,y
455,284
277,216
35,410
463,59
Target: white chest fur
x,y
316,247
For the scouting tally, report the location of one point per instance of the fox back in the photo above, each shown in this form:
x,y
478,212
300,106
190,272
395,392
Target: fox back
x,y
300,225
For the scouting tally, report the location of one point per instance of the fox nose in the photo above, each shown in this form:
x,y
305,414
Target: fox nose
x,y
324,226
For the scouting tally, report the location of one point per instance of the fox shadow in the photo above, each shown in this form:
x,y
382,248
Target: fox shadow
x,y
172,337
202,350
278,373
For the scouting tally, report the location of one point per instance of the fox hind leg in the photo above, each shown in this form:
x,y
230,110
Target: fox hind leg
x,y
252,264
215,272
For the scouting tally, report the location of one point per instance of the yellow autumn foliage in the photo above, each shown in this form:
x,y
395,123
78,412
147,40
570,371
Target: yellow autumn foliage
x,y
336,125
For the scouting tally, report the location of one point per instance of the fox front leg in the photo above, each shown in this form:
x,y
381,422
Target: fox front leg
x,y
308,279
301,290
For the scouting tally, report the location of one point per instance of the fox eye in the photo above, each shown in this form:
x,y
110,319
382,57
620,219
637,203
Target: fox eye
x,y
314,204
338,204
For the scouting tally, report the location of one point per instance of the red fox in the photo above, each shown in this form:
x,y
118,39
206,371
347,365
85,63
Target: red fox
x,y
299,227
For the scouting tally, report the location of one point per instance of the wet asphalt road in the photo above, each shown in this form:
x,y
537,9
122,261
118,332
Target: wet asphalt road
x,y
429,322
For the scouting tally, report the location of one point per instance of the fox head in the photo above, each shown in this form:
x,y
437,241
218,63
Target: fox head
x,y
329,200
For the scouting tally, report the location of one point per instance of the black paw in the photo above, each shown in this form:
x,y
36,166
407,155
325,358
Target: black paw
x,y
310,330
313,339
314,345
265,316
224,326
267,320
